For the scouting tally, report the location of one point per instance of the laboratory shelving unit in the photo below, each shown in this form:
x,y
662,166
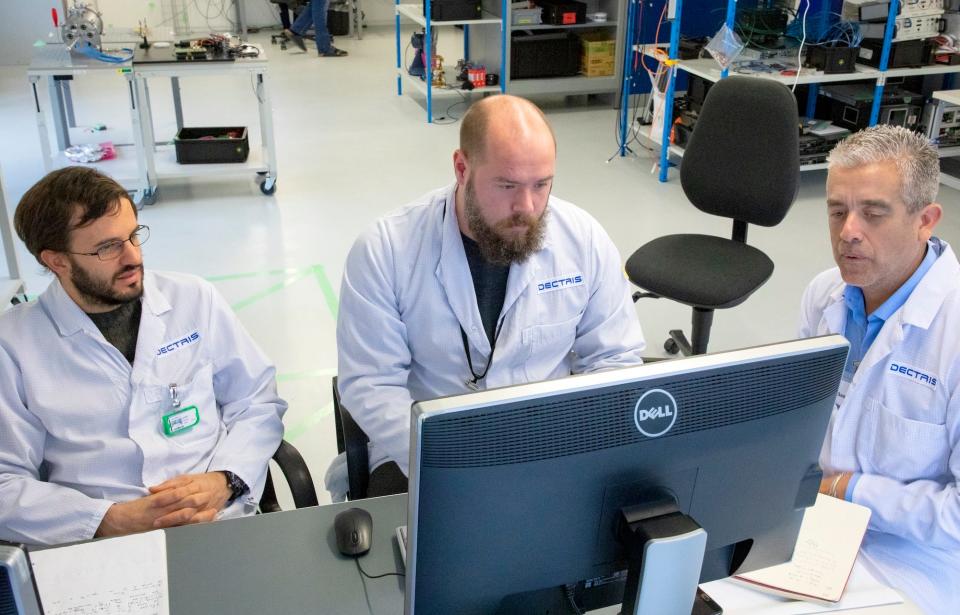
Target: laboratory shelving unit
x,y
492,46
417,14
709,69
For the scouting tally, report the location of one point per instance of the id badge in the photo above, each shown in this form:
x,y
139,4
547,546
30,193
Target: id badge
x,y
180,421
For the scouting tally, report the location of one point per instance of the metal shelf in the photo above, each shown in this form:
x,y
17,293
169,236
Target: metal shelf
x,y
575,26
563,85
414,12
934,69
677,151
488,40
708,69
421,86
165,157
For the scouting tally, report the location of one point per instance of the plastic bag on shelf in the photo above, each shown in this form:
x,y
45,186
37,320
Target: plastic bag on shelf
x,y
725,46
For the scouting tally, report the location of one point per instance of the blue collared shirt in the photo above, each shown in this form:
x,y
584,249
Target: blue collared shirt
x,y
861,330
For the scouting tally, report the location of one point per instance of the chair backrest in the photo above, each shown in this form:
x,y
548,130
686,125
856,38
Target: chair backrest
x,y
352,440
743,158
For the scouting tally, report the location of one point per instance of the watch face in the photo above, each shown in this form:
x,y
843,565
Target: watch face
x,y
236,484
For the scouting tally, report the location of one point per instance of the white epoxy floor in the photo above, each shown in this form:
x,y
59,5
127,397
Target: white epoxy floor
x,y
350,149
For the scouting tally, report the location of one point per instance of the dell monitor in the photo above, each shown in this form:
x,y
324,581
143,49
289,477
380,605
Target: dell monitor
x,y
18,587
630,485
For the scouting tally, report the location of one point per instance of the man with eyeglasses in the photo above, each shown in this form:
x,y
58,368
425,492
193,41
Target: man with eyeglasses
x,y
129,400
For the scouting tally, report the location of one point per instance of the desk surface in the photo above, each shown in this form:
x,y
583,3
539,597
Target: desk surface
x,y
288,563
54,58
948,96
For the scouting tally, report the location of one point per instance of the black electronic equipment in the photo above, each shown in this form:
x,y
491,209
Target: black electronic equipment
x,y
832,60
762,26
535,55
453,10
690,48
354,531
904,54
851,103
563,12
814,149
18,588
697,88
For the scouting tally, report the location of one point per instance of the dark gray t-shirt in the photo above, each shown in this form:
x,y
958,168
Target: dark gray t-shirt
x,y
490,285
121,327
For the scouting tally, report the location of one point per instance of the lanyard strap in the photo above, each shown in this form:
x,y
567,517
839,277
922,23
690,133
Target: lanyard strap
x,y
472,383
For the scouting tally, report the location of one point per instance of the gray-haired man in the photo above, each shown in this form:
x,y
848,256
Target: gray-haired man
x,y
892,443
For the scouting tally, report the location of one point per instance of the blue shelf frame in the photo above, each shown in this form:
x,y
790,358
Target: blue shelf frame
x,y
428,51
674,20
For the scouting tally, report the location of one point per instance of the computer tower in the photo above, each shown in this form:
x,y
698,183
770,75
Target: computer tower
x,y
18,592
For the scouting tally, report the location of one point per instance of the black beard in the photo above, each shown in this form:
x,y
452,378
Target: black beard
x,y
98,292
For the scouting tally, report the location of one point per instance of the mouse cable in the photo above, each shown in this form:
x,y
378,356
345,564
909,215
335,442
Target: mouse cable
x,y
571,599
377,576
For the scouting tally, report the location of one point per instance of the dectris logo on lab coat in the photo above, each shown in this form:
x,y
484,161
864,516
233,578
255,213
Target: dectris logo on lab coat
x,y
913,374
655,413
177,344
564,281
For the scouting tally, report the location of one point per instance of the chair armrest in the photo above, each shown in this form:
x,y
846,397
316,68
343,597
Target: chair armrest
x,y
297,475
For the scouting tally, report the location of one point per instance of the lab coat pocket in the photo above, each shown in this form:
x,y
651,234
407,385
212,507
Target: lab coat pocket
x,y
197,393
548,346
906,449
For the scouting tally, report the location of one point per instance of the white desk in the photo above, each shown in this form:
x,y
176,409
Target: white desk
x,y
140,164
160,158
288,563
57,66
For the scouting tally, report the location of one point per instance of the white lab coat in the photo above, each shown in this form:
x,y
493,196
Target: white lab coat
x,y
901,430
407,290
80,428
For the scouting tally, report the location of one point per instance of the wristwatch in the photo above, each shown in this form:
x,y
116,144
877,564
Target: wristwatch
x,y
236,485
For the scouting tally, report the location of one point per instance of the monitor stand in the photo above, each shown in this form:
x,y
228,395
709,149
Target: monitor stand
x,y
665,549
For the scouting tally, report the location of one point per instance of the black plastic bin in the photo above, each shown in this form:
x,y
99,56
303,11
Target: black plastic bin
x,y
212,144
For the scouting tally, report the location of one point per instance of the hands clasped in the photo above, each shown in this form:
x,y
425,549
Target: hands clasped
x,y
190,498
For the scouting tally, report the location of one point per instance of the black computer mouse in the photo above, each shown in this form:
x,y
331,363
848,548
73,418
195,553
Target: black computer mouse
x,y
354,530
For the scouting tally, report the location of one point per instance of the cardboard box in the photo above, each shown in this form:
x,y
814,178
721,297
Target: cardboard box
x,y
598,70
597,57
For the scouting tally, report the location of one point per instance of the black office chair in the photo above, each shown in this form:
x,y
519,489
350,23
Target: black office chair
x,y
352,440
742,162
297,475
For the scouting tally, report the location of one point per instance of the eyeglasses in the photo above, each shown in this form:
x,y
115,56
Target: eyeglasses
x,y
114,249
